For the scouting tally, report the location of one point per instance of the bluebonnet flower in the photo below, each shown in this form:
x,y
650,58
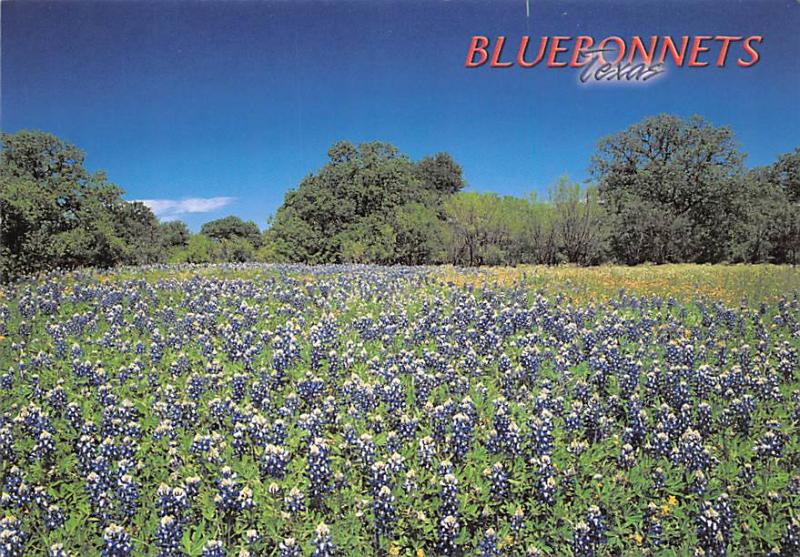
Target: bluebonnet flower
x,y
294,501
239,439
691,453
518,521
742,414
384,511
53,517
582,544
168,537
426,451
366,450
771,443
379,477
627,457
127,495
448,494
490,544
704,421
512,441
462,435
274,461
100,498
252,537
589,534
117,542
699,483
747,474
214,548
541,438
289,548
714,526
597,525
56,550
171,501
447,533
790,541
407,428
12,537
323,543
410,482
318,471
396,463
231,496
659,445
654,527
498,481
657,477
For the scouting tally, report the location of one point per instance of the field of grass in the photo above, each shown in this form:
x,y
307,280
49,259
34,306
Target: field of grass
x,y
295,410
728,283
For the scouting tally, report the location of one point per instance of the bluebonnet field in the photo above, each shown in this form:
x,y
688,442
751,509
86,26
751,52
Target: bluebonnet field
x,y
291,410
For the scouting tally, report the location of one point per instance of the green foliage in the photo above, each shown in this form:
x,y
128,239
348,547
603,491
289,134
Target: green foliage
x,y
477,233
348,211
174,234
54,213
668,186
371,240
418,234
232,227
199,249
484,228
666,189
234,250
578,222
202,249
440,173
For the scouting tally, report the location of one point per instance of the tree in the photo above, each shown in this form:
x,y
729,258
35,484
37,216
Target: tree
x,y
418,234
578,222
540,232
231,227
440,173
199,249
478,231
372,240
668,186
174,234
347,210
233,250
140,232
55,213
785,175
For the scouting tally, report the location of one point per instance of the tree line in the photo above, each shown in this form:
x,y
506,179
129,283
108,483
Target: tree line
x,y
665,189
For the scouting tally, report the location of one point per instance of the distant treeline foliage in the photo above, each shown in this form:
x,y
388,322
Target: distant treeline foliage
x,y
663,190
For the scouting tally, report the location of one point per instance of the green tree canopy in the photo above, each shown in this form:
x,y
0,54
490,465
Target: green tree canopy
x,y
232,227
347,210
668,186
55,213
768,213
174,234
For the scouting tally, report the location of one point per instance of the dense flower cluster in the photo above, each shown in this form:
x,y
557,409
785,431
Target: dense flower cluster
x,y
291,410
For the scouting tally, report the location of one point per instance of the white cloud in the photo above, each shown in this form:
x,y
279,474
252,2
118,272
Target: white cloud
x,y
170,208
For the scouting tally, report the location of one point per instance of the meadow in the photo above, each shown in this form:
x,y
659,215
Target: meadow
x,y
290,410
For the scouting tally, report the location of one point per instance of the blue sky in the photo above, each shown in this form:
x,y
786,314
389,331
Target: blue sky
x,y
219,108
